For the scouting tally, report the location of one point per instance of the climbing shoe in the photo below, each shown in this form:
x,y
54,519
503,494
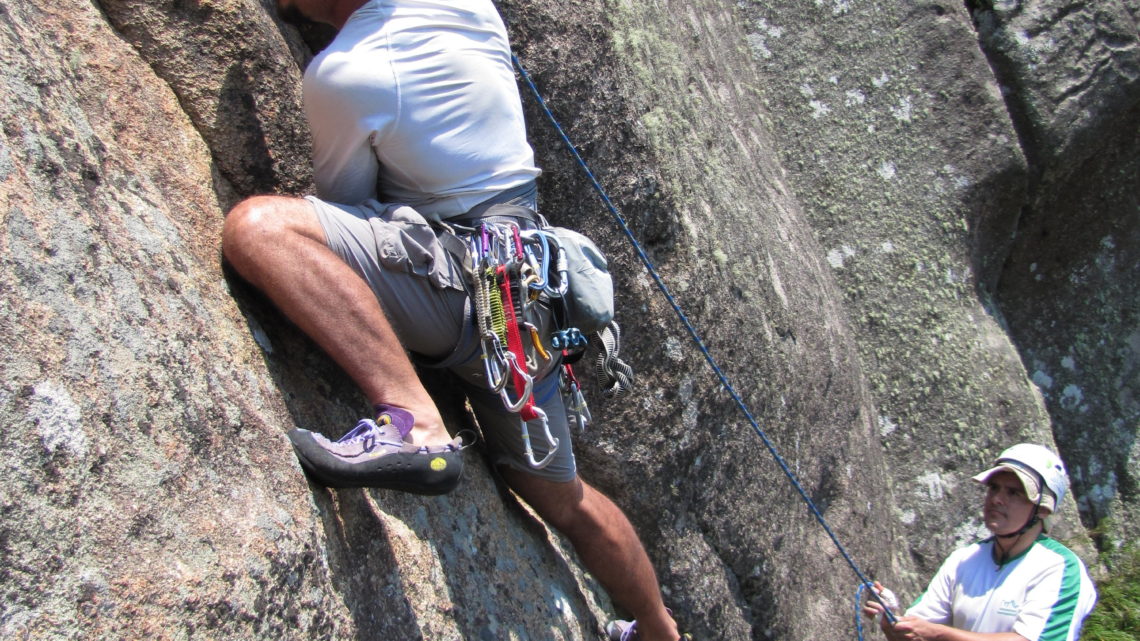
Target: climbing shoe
x,y
627,631
621,631
376,453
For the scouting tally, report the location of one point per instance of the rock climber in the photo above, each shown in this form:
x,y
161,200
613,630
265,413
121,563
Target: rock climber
x,y
416,120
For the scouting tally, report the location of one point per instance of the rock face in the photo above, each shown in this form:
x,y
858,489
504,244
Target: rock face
x,y
908,235
1072,79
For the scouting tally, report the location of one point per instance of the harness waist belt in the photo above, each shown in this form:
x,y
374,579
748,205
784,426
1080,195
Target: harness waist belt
x,y
524,217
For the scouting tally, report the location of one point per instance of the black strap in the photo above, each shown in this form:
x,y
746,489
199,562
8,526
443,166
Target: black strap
x,y
524,217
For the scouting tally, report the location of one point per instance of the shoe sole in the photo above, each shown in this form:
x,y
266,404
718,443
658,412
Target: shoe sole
x,y
416,473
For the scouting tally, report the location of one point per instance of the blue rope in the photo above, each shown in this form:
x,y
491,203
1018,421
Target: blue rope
x,y
693,332
858,611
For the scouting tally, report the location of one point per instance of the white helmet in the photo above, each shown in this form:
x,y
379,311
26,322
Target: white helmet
x,y
1034,465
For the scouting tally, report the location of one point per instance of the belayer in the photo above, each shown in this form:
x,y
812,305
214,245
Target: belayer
x,y
423,242
1017,585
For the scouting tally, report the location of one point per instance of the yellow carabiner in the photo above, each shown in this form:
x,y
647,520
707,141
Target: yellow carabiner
x,y
537,342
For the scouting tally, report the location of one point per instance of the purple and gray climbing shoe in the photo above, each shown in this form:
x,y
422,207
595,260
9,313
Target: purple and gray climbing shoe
x,y
376,454
621,630
627,631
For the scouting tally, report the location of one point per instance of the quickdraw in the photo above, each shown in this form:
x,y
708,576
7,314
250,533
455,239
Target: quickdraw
x,y
516,355
579,411
508,269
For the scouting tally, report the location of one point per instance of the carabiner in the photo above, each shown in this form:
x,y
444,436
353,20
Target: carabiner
x,y
528,386
492,364
539,265
560,266
536,464
536,340
517,241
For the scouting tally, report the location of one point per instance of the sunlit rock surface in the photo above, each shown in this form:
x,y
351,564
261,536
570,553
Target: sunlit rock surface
x,y
908,235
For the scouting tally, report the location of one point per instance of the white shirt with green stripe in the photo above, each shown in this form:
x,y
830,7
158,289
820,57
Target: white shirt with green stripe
x,y
1044,594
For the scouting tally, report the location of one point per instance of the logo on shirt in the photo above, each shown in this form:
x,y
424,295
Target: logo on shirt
x,y
1009,607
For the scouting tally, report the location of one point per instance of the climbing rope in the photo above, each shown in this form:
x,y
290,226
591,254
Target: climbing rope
x,y
858,611
885,597
697,340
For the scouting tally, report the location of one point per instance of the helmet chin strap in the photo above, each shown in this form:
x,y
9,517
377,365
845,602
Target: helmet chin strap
x,y
1033,520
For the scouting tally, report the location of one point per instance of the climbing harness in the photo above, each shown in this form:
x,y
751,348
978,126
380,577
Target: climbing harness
x,y
508,269
697,340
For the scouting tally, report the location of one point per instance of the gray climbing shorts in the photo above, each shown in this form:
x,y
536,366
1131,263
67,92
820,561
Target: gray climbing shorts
x,y
420,288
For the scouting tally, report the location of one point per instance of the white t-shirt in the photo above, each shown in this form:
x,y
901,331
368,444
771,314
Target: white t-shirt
x,y
1044,594
415,102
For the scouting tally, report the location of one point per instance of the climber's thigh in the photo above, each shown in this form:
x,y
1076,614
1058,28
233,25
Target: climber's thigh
x,y
414,279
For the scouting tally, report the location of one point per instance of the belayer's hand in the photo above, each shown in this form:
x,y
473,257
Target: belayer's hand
x,y
909,629
873,608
